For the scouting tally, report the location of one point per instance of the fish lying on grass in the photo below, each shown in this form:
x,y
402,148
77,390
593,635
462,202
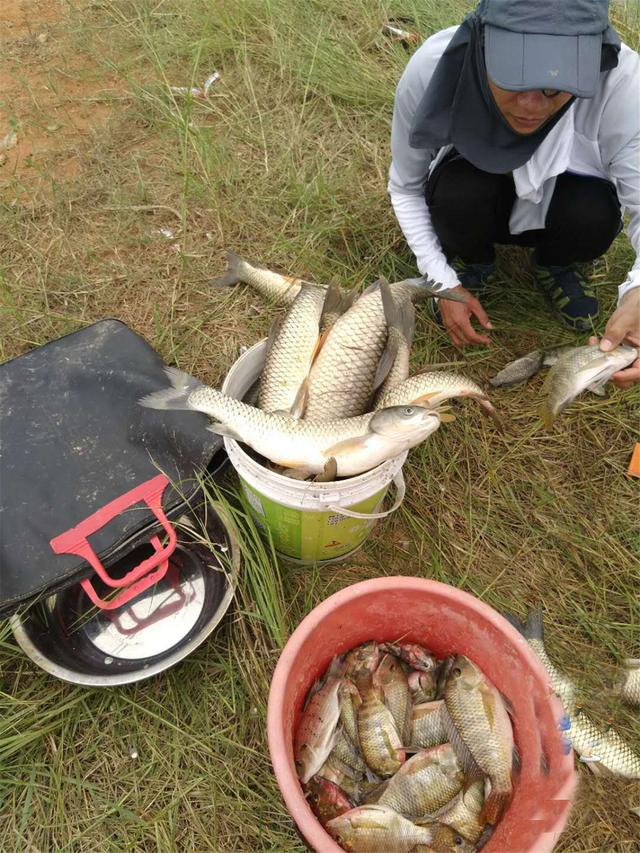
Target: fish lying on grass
x,y
481,721
277,288
630,685
533,632
603,752
431,388
526,366
581,368
357,444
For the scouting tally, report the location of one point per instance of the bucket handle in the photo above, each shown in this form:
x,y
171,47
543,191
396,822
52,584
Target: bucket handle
x,y
398,482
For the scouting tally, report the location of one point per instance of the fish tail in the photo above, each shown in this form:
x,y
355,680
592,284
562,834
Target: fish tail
x,y
436,290
490,409
233,274
532,628
493,807
177,396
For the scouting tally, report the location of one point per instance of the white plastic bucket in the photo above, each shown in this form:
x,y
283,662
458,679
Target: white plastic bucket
x,y
309,522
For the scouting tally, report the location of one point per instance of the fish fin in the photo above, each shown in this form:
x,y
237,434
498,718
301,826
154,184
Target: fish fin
x,y
493,806
462,751
329,472
232,275
489,409
301,399
512,619
597,388
332,302
177,396
223,429
489,711
385,364
436,290
349,445
546,415
534,629
446,417
296,473
374,286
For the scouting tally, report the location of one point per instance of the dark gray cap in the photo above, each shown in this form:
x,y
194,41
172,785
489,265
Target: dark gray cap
x,y
544,44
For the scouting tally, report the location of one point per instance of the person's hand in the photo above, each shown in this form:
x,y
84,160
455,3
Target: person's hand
x,y
456,318
624,326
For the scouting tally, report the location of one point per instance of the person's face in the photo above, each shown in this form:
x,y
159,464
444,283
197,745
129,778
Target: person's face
x,y
527,111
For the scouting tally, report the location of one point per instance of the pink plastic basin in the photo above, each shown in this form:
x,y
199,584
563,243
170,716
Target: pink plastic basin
x,y
445,620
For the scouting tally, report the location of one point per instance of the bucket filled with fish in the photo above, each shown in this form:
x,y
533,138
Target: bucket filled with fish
x,y
308,521
406,715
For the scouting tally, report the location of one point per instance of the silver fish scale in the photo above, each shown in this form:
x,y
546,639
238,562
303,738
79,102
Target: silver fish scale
x,y
607,749
288,360
276,287
341,379
245,418
446,384
563,687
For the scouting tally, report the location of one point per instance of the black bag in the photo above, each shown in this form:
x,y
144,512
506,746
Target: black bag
x,y
84,467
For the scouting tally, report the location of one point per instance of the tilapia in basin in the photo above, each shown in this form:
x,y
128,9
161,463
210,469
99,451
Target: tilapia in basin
x,y
445,620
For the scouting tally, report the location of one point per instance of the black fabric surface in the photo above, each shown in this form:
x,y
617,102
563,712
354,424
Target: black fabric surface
x,y
72,439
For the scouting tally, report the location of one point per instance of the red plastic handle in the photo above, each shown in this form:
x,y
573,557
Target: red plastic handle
x,y
75,541
134,590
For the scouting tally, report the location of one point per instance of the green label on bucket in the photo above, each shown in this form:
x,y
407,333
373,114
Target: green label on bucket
x,y
310,535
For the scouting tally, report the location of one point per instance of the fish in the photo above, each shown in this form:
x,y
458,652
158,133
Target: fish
x,y
348,753
431,388
391,679
361,662
528,365
401,330
630,688
327,799
318,730
357,444
519,370
482,723
291,348
377,734
425,782
601,751
280,289
350,701
360,350
415,655
533,632
354,356
581,368
429,727
376,829
345,777
423,686
463,812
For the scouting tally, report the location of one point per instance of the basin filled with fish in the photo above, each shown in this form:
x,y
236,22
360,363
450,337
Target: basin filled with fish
x,y
395,713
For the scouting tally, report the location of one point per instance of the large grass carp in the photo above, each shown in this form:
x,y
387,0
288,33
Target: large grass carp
x,y
603,752
630,684
291,348
579,369
357,444
281,289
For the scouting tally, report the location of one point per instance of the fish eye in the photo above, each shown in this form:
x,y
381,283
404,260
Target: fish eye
x,y
408,410
457,840
456,671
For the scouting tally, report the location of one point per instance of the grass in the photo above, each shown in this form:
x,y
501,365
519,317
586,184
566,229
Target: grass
x,y
286,163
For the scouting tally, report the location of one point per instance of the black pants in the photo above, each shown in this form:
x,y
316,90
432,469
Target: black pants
x,y
470,212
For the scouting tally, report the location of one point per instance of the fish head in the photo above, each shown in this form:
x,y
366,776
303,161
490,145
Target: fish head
x,y
307,762
363,660
465,674
405,423
329,800
388,670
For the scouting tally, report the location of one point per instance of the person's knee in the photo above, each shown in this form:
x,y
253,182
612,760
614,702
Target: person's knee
x,y
587,212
